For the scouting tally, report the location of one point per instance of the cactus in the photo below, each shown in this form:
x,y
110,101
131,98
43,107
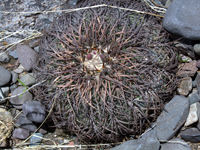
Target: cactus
x,y
109,72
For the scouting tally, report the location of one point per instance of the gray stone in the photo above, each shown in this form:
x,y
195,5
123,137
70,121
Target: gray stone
x,y
197,79
187,69
28,79
19,69
191,134
34,111
20,133
147,142
4,58
197,49
194,114
193,98
172,118
194,84
5,90
185,86
17,101
5,76
27,56
178,18
15,76
13,54
25,123
13,87
36,139
175,144
37,49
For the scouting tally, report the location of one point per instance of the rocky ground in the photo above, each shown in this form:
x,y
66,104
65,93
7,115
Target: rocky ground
x,y
177,127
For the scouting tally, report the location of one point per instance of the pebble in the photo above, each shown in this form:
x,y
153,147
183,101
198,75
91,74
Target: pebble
x,y
34,111
16,101
13,87
20,69
194,97
13,54
25,123
147,142
197,49
194,113
28,79
43,129
4,93
15,76
27,56
198,63
5,76
178,19
197,79
185,86
35,42
191,134
20,133
187,69
36,139
175,144
4,58
175,112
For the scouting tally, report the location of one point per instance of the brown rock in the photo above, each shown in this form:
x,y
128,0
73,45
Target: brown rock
x,y
185,86
187,69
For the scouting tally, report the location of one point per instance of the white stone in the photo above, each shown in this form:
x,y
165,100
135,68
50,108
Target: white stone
x,y
193,114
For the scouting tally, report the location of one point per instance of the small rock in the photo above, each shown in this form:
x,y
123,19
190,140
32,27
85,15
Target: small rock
x,y
175,144
20,69
13,87
34,111
27,56
25,123
13,54
37,49
198,63
15,76
193,114
197,79
4,58
194,84
185,86
197,49
17,101
20,133
36,139
194,97
178,19
28,79
191,134
185,58
187,69
147,142
5,76
5,90
34,43
175,112
43,129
